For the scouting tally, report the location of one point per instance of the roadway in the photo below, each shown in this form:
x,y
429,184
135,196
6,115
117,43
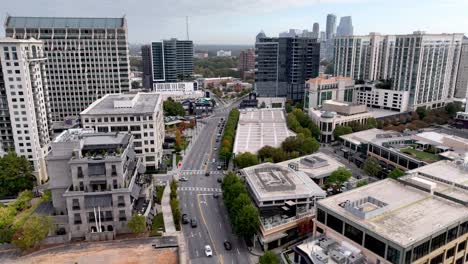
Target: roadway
x,y
197,200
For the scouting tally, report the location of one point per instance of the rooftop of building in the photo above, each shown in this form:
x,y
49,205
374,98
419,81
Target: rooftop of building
x,y
367,135
316,166
327,250
19,41
396,211
260,127
120,104
270,182
328,79
91,138
63,22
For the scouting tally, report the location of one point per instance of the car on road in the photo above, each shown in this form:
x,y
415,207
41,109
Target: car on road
x,y
183,179
219,167
208,251
220,180
207,173
215,149
185,219
227,245
215,195
193,222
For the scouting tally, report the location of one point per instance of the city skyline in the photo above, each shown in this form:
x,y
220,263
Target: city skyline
x,y
245,19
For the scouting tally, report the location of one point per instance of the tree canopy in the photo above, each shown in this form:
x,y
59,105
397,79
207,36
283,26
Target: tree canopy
x,y
15,175
396,173
137,224
372,167
173,108
246,159
339,176
269,258
342,130
34,230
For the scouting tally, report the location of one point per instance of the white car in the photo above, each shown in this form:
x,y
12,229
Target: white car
x,y
208,251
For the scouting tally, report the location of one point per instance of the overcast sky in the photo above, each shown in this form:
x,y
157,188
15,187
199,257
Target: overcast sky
x,y
238,21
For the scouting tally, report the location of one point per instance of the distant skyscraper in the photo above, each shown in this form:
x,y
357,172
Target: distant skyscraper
x,y
87,58
147,66
426,65
345,28
316,30
331,26
246,60
322,35
24,116
260,35
172,60
284,64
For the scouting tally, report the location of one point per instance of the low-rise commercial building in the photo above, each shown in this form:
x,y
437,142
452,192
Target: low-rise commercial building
x,y
419,218
140,114
95,180
285,198
369,95
326,87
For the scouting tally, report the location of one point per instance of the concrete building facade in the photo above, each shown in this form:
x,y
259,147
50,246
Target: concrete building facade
x,y
326,87
87,58
461,87
425,65
139,114
24,117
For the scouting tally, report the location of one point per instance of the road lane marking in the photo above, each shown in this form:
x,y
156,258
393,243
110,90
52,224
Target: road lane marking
x,y
196,251
220,258
238,252
199,233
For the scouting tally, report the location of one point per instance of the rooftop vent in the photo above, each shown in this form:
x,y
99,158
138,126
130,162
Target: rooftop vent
x,y
365,208
314,162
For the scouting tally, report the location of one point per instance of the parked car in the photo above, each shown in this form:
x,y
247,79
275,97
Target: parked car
x,y
215,195
185,219
208,251
183,179
219,167
220,180
227,245
193,222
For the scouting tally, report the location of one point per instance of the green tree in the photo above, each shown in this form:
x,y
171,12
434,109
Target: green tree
x,y
34,230
279,155
7,216
362,183
452,108
15,175
245,159
422,112
239,202
137,224
266,152
372,167
341,130
172,108
292,122
291,143
247,221
269,258
372,123
309,146
23,201
339,176
396,173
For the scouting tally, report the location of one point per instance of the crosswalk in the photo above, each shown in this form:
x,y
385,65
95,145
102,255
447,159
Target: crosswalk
x,y
199,172
198,189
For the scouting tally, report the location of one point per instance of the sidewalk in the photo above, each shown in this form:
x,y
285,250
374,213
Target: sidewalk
x,y
167,212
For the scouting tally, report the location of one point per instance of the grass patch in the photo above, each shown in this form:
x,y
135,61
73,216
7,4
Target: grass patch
x,y
420,155
158,222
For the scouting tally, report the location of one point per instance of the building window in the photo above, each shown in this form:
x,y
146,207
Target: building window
x,y
335,223
461,246
353,233
79,172
438,241
438,259
374,245
122,216
450,253
120,201
75,204
77,219
452,234
393,255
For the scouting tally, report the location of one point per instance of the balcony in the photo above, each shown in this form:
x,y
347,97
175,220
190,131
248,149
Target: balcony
x,y
278,223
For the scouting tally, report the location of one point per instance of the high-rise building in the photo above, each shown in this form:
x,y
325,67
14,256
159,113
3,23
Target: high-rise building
x,y
246,60
172,60
86,58
140,114
316,30
331,26
322,35
147,66
96,182
24,116
426,65
284,64
461,87
345,28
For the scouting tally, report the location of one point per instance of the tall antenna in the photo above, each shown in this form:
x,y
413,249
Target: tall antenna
x,y
186,27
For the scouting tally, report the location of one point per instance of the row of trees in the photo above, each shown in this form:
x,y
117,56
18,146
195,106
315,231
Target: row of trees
x,y
372,167
244,215
229,135
355,127
300,123
176,214
216,66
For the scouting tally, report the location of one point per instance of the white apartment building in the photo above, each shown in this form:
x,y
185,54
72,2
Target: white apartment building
x,y
140,114
326,87
423,64
223,53
461,88
370,96
24,120
87,58
177,87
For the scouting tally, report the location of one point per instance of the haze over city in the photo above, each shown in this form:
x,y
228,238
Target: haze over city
x,y
238,21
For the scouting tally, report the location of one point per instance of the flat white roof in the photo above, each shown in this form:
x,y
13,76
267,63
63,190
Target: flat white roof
x,y
365,135
326,164
260,127
411,214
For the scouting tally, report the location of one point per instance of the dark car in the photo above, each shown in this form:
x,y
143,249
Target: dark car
x,y
207,173
215,195
220,180
227,245
193,222
185,219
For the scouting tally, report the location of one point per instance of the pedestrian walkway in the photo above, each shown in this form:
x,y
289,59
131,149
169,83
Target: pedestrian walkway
x,y
199,172
167,212
198,189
